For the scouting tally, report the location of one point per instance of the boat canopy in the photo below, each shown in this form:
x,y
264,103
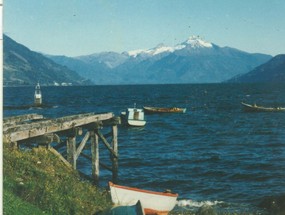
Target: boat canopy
x,y
135,114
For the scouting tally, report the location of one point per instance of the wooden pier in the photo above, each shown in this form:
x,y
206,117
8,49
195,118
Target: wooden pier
x,y
34,129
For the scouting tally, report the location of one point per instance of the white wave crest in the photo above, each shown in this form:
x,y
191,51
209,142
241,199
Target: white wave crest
x,y
191,203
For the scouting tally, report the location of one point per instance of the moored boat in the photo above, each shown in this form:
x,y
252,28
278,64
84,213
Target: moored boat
x,y
164,110
133,117
255,108
159,203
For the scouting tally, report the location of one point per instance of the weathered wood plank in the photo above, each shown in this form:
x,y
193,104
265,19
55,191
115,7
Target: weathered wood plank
x,y
19,121
42,140
15,119
68,121
82,144
71,151
55,125
28,126
95,156
115,165
106,143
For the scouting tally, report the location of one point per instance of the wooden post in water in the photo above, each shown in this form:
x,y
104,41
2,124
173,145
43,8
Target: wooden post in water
x,y
71,150
115,158
94,141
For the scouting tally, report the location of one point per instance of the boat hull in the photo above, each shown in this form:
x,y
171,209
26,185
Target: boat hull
x,y
255,108
138,123
152,202
164,110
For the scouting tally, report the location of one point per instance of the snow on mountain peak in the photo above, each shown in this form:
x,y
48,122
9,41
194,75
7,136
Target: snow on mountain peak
x,y
197,42
160,48
193,42
134,53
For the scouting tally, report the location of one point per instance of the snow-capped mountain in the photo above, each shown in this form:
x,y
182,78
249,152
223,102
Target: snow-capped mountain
x,y
159,49
193,42
192,61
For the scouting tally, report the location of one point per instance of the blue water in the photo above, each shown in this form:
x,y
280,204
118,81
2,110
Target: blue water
x,y
213,154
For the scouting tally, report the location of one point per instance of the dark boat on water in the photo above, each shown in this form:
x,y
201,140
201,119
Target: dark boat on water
x,y
255,108
164,110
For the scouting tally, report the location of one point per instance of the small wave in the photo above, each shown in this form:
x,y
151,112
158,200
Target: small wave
x,y
219,207
198,204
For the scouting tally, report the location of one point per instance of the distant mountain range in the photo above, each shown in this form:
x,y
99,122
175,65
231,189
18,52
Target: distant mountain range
x,y
192,61
25,67
271,71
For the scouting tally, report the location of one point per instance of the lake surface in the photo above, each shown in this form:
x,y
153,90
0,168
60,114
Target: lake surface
x,y
213,154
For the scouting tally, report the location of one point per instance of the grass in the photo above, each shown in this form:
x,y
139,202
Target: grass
x,y
17,206
37,182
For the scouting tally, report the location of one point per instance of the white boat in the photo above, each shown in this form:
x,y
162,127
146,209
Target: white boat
x,y
159,203
255,108
133,117
38,95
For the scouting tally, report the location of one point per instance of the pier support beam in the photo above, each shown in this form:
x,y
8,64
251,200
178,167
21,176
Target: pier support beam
x,y
71,150
115,158
94,140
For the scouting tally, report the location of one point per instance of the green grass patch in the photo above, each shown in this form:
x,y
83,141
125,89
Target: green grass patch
x,y
17,206
38,180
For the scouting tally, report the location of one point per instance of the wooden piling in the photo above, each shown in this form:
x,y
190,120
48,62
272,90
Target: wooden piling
x,y
71,150
95,156
82,144
115,158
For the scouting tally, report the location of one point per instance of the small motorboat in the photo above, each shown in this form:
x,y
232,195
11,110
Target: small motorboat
x,y
255,108
164,110
159,203
133,117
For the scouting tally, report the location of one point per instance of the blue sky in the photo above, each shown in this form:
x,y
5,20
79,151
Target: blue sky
x,y
81,27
